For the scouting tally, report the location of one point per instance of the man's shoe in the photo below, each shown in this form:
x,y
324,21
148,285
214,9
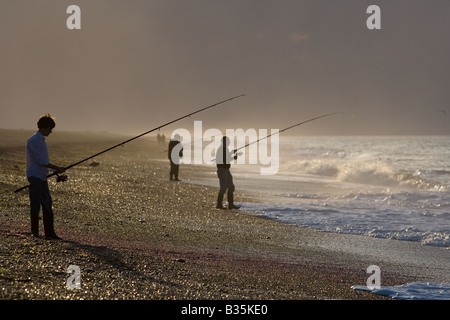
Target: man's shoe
x,y
231,205
52,237
219,202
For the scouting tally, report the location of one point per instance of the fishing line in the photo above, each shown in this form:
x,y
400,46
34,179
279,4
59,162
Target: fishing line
x,y
285,129
64,177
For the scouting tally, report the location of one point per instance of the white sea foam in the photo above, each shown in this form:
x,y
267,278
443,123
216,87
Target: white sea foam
x,y
388,187
413,291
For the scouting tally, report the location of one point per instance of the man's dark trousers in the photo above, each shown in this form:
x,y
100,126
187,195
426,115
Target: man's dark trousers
x,y
40,195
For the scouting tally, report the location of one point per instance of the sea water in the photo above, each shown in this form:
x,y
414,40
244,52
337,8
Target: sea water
x,y
395,187
381,186
413,291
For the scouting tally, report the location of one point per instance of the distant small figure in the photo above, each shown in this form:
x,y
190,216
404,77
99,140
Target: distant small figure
x,y
175,152
161,139
38,165
158,139
223,159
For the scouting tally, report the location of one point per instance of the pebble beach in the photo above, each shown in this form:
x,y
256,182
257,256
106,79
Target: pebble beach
x,y
135,235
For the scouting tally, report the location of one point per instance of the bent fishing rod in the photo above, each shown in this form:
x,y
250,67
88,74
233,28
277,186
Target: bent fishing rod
x,y
285,129
63,178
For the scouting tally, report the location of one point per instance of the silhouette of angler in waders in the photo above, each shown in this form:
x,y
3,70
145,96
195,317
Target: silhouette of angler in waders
x,y
174,154
223,159
38,166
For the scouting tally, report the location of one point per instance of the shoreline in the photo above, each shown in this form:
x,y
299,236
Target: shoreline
x,y
391,251
413,256
136,235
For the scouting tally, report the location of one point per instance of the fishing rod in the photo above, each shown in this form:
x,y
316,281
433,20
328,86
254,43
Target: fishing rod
x,y
63,177
282,130
285,129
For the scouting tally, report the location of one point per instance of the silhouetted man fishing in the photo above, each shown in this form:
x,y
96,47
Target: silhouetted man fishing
x,y
38,165
175,158
134,138
223,159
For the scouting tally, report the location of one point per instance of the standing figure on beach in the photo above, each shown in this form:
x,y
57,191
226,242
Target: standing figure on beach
x,y
158,138
174,154
38,165
161,139
223,160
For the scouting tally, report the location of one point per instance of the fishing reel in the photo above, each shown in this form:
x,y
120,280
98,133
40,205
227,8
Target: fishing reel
x,y
61,178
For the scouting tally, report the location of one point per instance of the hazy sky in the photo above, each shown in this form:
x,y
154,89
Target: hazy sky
x,y
137,64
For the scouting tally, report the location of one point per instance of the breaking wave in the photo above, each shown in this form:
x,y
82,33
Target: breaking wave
x,y
384,187
375,173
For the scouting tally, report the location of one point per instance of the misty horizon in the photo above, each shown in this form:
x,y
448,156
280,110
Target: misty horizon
x,y
135,65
